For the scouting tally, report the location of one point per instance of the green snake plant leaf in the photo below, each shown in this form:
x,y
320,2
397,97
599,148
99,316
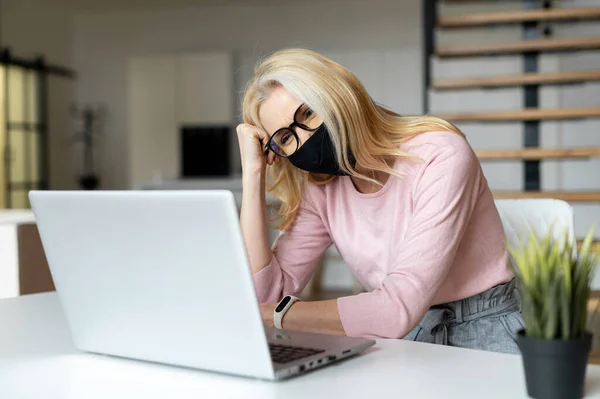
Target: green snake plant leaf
x,y
554,281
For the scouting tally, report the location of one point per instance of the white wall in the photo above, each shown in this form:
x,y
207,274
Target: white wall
x,y
579,174
557,175
379,40
166,92
37,26
104,41
34,27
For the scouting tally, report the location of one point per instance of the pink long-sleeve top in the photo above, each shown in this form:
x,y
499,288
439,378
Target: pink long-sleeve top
x,y
430,237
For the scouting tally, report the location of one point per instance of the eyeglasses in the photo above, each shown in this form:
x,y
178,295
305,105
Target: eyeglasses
x,y
284,142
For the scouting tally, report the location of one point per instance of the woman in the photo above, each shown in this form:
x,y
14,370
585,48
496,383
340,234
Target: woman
x,y
403,199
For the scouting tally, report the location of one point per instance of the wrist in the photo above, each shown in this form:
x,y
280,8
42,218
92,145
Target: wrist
x,y
282,309
253,178
288,321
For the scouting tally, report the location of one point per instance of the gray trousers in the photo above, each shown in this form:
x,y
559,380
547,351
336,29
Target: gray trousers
x,y
487,321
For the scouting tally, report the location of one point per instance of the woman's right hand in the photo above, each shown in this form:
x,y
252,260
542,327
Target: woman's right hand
x,y
252,141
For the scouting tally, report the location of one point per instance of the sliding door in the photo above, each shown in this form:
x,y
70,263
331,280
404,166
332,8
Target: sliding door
x,y
22,135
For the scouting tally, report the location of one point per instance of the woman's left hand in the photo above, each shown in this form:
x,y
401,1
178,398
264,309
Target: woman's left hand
x,y
266,310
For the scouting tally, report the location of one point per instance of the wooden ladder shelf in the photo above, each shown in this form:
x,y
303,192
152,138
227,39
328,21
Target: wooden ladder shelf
x,y
538,153
518,80
534,44
520,16
523,115
560,44
570,196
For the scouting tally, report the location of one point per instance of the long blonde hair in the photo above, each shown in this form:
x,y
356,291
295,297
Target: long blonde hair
x,y
372,133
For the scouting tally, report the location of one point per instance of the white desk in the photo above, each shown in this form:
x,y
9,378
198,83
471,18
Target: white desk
x,y
37,360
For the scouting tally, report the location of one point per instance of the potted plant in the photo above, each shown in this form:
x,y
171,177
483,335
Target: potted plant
x,y
554,282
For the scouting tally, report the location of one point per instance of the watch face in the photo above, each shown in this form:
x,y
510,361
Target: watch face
x,y
283,303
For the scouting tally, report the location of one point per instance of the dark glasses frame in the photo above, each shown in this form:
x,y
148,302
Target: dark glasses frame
x,y
290,128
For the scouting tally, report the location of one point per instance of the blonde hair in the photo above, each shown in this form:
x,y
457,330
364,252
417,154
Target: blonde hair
x,y
372,133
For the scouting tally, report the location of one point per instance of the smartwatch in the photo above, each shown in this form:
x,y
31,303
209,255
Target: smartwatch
x,y
281,308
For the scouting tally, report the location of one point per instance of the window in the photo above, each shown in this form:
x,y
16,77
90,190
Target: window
x,y
22,135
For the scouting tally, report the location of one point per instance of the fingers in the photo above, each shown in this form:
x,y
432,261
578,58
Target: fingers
x,y
247,132
240,129
245,129
262,135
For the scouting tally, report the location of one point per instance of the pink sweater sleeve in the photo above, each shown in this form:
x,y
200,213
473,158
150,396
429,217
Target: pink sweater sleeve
x,y
444,195
296,253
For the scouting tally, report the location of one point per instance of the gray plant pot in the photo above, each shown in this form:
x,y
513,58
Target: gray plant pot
x,y
555,369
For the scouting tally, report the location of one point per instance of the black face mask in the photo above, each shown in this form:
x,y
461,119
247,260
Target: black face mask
x,y
317,154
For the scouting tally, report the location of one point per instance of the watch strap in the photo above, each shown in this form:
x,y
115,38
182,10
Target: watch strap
x,y
281,308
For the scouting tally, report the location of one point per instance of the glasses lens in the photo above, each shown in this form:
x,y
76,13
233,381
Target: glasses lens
x,y
284,142
307,119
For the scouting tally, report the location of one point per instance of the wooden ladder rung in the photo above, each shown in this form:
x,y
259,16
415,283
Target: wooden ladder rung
x,y
539,153
595,248
570,196
527,114
560,44
594,306
508,17
518,80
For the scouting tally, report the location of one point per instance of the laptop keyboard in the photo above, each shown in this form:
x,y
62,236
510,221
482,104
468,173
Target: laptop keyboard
x,y
286,354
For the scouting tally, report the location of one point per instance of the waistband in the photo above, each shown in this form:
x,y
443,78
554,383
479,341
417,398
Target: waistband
x,y
496,301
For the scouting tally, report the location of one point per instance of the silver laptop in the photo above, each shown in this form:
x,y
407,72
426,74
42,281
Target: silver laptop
x,y
162,276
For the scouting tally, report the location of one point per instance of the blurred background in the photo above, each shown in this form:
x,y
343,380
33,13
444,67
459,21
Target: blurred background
x,y
107,94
